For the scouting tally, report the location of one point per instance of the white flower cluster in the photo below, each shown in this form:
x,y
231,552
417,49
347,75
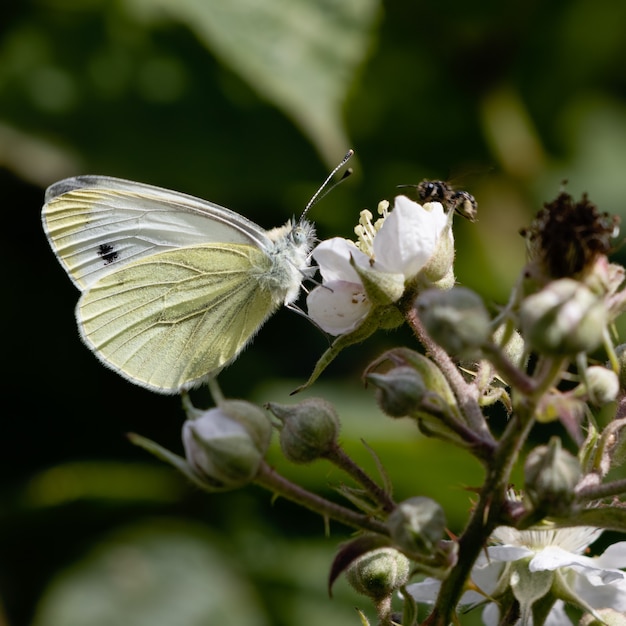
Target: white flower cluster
x,y
536,562
400,244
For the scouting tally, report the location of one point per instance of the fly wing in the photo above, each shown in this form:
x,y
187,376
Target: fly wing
x,y
169,321
96,224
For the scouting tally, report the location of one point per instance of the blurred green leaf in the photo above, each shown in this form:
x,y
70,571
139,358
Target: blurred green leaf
x,y
102,480
152,574
302,55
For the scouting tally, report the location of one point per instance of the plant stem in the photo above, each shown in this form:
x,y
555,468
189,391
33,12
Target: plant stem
x,y
273,481
338,456
465,393
484,519
596,492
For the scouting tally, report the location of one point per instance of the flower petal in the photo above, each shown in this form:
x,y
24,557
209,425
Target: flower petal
x,y
553,557
508,553
601,596
333,257
338,307
425,591
409,236
614,556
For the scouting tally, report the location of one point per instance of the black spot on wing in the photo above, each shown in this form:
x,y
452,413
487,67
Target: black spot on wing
x,y
107,253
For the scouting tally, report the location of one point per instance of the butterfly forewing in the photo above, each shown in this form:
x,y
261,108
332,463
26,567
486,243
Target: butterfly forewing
x,y
97,223
170,320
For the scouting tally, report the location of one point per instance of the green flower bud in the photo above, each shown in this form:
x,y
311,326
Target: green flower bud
x,y
560,406
308,430
602,384
564,318
399,391
514,348
379,573
417,525
456,319
227,444
551,474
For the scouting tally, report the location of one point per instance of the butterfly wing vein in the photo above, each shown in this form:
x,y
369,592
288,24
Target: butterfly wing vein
x,y
172,319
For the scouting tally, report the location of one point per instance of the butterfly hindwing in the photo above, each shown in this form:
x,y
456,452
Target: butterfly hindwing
x,y
168,320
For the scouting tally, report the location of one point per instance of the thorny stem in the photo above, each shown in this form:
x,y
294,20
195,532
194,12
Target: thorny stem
x,y
487,515
339,457
620,412
491,509
597,492
465,393
271,480
481,448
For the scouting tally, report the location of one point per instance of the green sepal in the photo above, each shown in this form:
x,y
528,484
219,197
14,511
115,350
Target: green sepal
x,y
385,317
381,288
177,462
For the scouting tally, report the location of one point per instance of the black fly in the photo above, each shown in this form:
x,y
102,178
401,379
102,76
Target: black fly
x,y
462,202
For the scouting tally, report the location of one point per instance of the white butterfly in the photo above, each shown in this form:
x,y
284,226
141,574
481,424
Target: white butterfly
x,y
173,287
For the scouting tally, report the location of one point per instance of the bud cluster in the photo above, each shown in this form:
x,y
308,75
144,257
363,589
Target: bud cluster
x,y
538,360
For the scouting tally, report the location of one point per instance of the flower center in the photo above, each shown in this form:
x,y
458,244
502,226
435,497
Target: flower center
x,y
366,230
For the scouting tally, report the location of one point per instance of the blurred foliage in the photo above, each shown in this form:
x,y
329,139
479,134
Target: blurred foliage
x,y
248,104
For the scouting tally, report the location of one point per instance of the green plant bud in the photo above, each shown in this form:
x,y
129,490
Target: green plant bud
x,y
456,319
399,392
433,378
551,474
221,448
379,573
308,430
254,419
417,525
560,406
602,384
514,347
564,318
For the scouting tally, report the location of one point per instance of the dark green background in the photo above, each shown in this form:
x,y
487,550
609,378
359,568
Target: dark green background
x,y
508,99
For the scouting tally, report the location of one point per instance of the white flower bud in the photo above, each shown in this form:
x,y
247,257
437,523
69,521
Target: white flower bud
x,y
417,525
399,392
456,319
602,384
564,318
227,444
551,474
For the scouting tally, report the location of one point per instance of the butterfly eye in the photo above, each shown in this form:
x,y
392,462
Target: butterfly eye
x,y
298,235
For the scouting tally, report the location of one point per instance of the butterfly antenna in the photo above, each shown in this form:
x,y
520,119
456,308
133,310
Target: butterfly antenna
x,y
326,186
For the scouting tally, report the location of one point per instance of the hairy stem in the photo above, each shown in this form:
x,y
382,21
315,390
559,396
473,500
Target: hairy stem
x,y
339,457
273,481
465,393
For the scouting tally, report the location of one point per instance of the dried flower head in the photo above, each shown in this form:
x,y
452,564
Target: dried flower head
x,y
567,237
